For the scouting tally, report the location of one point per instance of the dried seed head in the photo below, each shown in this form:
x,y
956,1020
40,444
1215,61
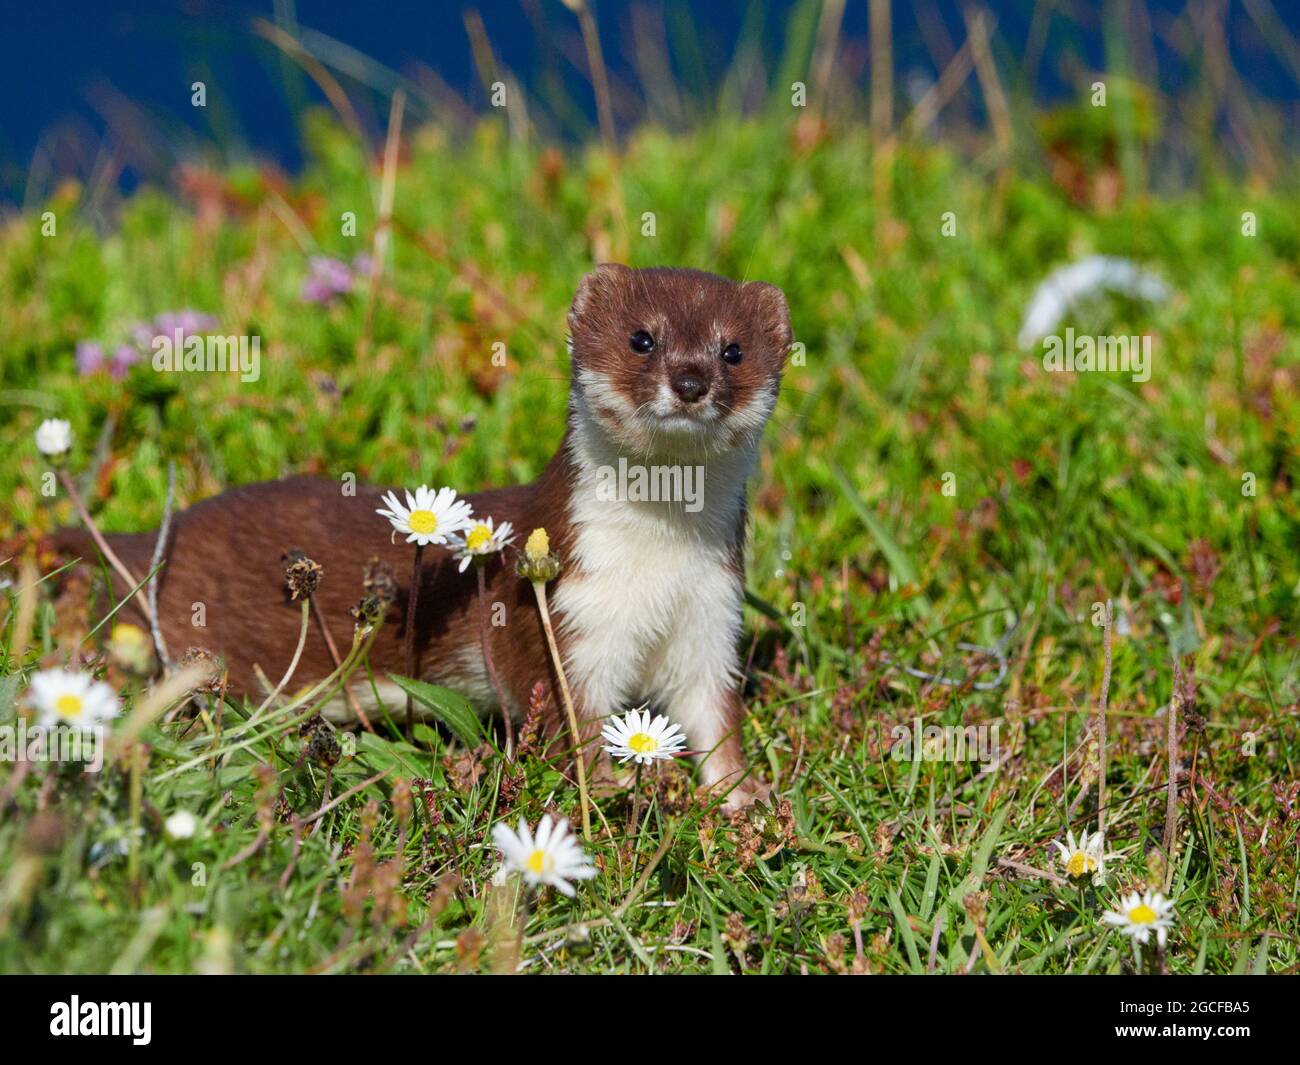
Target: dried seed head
x,y
835,947
735,934
379,581
977,905
857,906
509,789
368,612
301,574
324,748
530,733
884,839
214,680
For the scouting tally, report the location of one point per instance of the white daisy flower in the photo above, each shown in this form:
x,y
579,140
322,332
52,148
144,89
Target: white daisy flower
x,y
53,437
62,697
638,737
479,540
1139,914
429,517
1085,858
181,825
552,857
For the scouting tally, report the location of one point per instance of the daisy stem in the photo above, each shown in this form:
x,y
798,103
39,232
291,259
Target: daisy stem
x,y
293,665
1107,633
487,660
410,638
1176,696
333,649
636,812
137,757
539,587
329,686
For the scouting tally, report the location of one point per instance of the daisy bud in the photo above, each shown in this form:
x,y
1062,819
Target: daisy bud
x,y
181,825
537,564
54,438
538,545
131,648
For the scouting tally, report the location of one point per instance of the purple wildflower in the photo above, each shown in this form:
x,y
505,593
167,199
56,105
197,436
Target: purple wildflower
x,y
142,334
189,322
326,280
90,357
126,356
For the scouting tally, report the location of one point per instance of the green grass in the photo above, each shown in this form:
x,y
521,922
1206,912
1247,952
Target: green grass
x,y
1068,490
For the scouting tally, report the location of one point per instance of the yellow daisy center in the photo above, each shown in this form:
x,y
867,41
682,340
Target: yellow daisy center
x,y
479,537
1142,914
1080,863
68,705
538,545
422,521
642,743
538,862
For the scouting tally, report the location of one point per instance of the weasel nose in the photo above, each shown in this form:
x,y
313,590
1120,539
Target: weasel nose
x,y
690,386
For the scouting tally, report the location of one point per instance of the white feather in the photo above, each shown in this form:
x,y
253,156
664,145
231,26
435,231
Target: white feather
x,y
1066,286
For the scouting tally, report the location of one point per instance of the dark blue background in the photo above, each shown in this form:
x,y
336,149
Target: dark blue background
x,y
71,70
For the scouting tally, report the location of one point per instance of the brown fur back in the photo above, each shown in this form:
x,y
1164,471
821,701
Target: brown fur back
x,y
224,567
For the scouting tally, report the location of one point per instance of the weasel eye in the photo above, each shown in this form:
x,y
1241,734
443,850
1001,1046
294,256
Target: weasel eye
x,y
732,354
641,342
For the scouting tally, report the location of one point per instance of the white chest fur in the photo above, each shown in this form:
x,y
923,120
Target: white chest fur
x,y
651,609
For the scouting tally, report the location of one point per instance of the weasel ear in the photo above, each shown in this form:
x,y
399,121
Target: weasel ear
x,y
773,312
599,283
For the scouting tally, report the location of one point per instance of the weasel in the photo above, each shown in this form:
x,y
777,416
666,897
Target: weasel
x,y
674,375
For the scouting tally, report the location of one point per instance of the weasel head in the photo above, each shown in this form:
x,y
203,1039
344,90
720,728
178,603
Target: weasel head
x,y
677,360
